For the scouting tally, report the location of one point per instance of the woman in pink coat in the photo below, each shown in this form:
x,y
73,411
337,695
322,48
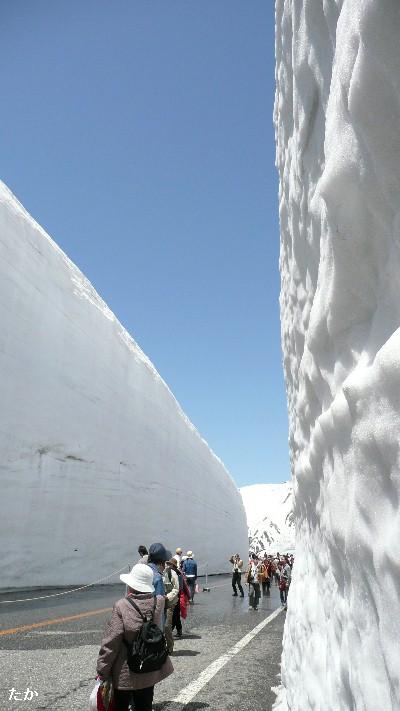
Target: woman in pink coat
x,y
124,624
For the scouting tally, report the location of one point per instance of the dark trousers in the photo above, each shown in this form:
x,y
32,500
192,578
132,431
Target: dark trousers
x,y
236,577
255,594
142,699
266,584
176,619
283,596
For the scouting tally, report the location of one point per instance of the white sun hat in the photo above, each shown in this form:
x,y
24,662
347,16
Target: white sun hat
x,y
140,578
189,554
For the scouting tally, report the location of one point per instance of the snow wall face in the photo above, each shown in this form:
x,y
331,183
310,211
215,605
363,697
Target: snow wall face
x,y
337,115
96,455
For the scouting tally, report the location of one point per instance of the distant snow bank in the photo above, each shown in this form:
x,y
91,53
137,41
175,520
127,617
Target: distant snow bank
x,y
270,520
337,116
97,456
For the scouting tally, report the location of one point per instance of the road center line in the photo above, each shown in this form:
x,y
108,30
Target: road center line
x,y
45,623
190,691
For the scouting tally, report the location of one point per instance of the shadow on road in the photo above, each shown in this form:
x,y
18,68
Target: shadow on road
x,y
191,636
185,653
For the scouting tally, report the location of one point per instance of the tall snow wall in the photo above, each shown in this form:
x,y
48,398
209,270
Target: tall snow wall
x,y
337,115
96,453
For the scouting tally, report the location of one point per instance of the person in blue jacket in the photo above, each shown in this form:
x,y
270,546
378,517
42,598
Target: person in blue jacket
x,y
189,567
158,555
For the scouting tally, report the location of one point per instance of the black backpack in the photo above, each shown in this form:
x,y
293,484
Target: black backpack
x,y
149,650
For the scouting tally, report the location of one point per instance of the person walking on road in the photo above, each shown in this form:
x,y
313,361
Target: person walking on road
x,y
265,575
269,569
176,615
262,575
275,570
178,556
285,576
171,585
131,688
253,580
158,555
287,568
184,598
237,564
189,568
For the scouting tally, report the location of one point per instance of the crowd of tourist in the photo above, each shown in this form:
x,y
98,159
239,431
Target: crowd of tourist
x,y
262,571
160,587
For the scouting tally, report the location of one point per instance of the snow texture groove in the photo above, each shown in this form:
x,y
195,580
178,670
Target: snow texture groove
x,y
97,456
337,118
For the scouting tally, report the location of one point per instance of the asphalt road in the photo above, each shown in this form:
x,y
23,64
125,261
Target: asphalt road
x,y
227,660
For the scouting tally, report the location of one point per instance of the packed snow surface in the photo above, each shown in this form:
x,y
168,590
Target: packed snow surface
x,y
269,511
337,115
97,456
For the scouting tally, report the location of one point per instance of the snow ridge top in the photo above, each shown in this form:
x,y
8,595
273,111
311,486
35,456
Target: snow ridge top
x,y
84,289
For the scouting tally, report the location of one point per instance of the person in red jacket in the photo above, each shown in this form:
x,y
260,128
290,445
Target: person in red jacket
x,y
184,597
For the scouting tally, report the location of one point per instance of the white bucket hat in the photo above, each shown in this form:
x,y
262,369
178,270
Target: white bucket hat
x,y
140,578
189,554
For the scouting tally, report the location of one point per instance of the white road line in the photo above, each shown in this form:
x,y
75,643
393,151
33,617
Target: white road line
x,y
190,691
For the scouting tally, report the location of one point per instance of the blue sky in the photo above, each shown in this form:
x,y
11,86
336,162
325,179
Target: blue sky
x,y
139,134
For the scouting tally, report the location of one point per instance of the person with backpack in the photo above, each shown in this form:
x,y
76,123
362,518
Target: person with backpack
x,y
133,640
189,568
171,584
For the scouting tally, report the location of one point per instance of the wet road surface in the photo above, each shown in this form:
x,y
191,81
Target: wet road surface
x,y
227,660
